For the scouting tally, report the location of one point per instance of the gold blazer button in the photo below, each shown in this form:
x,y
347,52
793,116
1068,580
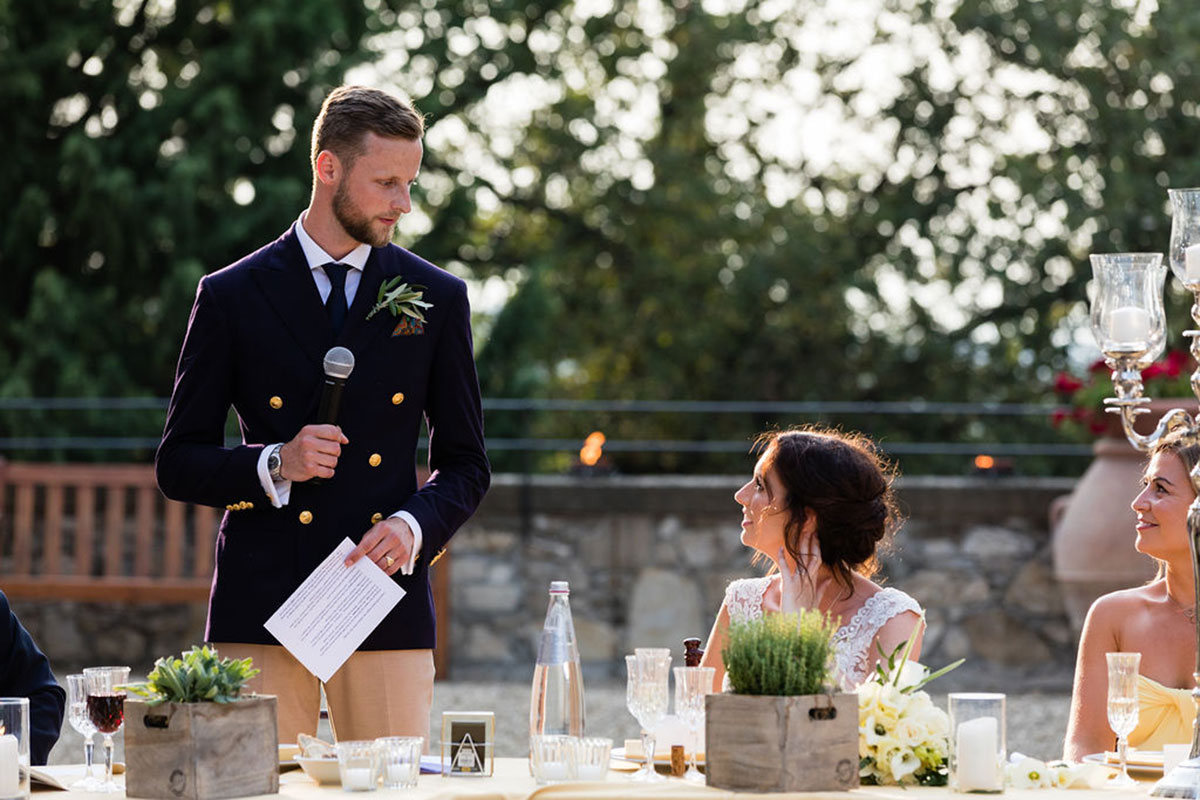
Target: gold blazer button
x,y
305,517
397,398
375,460
276,402
376,517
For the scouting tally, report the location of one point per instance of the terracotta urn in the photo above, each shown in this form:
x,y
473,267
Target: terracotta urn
x,y
1093,527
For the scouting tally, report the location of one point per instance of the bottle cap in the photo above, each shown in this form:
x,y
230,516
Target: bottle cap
x,y
559,587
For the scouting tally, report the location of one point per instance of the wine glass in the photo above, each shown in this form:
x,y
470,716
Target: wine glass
x,y
77,714
647,697
1122,705
691,686
106,709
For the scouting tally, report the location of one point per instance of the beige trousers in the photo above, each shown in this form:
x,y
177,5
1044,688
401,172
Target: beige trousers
x,y
375,693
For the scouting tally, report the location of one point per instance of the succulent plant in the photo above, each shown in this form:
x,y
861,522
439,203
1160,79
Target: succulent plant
x,y
200,676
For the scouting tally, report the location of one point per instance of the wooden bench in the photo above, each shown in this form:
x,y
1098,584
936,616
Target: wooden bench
x,y
104,533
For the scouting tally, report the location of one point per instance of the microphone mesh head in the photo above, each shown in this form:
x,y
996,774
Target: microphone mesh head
x,y
339,363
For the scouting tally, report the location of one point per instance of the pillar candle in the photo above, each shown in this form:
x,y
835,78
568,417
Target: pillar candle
x,y
1129,324
977,765
10,771
357,778
554,770
591,772
1191,263
400,773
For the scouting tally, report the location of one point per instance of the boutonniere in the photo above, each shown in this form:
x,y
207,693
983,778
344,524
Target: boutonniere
x,y
401,300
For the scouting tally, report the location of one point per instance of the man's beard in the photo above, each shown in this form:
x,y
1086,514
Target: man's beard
x,y
354,222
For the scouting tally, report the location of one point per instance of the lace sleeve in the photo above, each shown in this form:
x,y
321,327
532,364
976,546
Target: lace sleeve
x,y
852,642
744,598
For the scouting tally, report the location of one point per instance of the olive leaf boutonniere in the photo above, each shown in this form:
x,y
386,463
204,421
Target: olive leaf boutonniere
x,y
399,298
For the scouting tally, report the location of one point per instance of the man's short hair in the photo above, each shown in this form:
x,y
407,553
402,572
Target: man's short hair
x,y
350,112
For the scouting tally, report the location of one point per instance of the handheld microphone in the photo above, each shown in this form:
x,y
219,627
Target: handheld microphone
x,y
339,363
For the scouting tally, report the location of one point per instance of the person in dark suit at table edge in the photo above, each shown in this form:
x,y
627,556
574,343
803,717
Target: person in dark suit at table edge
x,y
256,340
25,672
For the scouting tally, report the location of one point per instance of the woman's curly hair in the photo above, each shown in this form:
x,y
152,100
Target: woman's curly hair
x,y
843,480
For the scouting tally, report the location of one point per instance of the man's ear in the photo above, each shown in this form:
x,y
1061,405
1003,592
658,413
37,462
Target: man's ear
x,y
329,167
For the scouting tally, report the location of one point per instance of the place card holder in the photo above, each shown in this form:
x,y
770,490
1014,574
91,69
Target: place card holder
x,y
468,739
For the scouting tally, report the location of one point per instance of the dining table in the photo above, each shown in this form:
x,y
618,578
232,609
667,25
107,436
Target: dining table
x,y
511,780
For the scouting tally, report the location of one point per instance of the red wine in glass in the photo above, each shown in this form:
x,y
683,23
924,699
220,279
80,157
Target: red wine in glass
x,y
107,711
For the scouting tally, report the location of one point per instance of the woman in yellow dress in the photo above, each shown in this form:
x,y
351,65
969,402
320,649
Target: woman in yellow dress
x,y
1155,620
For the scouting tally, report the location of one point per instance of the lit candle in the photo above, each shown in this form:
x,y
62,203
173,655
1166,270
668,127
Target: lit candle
x,y
591,772
1129,324
1191,263
357,779
554,770
977,762
10,771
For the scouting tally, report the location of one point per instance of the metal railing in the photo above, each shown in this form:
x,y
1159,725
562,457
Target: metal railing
x,y
544,444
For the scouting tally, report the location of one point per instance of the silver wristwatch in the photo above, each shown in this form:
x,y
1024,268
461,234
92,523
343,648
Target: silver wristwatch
x,y
275,464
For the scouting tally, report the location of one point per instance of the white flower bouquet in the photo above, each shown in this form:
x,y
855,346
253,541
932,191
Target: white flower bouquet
x,y
903,738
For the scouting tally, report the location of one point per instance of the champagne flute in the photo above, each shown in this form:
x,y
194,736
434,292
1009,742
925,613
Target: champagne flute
x,y
1123,705
106,709
647,697
692,684
77,714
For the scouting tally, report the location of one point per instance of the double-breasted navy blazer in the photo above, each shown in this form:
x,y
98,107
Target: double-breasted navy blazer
x,y
256,341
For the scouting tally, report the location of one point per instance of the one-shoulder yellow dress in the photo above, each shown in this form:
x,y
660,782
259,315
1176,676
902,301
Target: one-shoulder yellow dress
x,y
1164,715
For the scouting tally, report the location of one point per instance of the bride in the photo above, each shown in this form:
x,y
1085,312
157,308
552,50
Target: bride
x,y
819,505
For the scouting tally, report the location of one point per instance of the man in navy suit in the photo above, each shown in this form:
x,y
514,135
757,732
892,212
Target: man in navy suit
x,y
256,340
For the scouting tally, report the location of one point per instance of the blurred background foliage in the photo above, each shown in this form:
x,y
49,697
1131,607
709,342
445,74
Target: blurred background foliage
x,y
729,200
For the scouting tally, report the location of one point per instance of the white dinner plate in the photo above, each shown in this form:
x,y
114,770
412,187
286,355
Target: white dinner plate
x,y
1139,762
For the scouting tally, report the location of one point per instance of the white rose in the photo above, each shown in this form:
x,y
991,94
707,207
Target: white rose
x,y
911,673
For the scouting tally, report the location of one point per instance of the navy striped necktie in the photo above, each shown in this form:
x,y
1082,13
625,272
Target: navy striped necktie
x,y
336,304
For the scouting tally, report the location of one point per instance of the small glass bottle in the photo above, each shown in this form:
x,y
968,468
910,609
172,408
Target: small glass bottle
x,y
556,703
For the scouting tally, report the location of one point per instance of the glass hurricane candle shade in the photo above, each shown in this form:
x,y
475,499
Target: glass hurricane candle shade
x,y
1184,252
1128,319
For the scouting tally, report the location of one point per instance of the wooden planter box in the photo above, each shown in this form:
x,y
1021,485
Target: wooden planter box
x,y
781,744
201,751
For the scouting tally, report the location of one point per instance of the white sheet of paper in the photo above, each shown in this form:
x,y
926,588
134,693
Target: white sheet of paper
x,y
333,611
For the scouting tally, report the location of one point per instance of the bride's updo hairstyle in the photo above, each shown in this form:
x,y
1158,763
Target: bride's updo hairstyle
x,y
846,482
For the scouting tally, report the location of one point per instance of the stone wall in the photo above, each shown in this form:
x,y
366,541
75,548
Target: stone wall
x,y
648,559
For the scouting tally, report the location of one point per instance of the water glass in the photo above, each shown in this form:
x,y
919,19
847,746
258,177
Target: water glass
x,y
977,749
400,760
1123,705
647,697
77,715
358,765
14,748
592,754
551,756
692,685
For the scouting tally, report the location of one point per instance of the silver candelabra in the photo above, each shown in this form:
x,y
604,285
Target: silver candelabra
x,y
1130,325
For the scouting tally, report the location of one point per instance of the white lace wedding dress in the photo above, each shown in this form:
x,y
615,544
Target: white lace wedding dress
x,y
851,643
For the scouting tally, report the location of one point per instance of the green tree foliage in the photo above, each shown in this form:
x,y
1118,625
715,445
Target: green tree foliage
x,y
701,202
720,200
150,141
